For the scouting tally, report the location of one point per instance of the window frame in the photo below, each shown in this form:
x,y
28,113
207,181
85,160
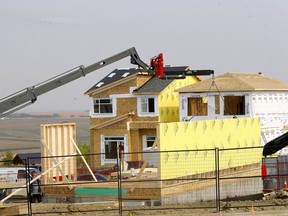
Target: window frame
x,y
140,106
145,141
119,140
104,114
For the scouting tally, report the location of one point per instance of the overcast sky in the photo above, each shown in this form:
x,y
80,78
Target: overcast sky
x,y
41,39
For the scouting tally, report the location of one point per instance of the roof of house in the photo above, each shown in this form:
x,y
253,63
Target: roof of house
x,y
114,76
34,158
236,82
155,84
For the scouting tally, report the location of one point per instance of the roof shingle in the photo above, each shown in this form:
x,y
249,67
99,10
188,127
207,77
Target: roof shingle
x,y
115,75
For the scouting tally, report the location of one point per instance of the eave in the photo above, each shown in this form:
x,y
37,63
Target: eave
x,y
113,121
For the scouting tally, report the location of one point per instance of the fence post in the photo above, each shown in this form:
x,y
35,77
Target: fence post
x,y
119,177
27,175
217,172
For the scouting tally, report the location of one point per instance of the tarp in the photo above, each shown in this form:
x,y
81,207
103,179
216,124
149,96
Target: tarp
x,y
275,145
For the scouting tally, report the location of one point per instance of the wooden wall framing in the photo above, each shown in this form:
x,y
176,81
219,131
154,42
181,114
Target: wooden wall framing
x,y
57,146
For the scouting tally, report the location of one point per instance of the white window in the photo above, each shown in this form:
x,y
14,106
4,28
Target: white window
x,y
147,106
148,141
103,107
109,145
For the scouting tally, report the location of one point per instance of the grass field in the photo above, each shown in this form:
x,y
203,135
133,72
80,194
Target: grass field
x,y
22,135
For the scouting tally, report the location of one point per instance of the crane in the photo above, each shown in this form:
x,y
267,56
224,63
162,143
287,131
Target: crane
x,y
27,96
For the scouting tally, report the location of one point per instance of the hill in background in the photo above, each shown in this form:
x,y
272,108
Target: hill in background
x,y
20,132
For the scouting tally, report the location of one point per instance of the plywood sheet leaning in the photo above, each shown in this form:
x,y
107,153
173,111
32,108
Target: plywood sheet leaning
x,y
57,146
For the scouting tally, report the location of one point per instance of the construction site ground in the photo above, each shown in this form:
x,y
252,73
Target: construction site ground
x,y
273,207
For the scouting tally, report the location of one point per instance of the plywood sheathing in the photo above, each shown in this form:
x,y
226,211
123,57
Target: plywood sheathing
x,y
113,121
239,82
233,175
18,209
154,189
142,125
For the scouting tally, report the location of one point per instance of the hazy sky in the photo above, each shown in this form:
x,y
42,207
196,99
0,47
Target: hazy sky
x,y
41,39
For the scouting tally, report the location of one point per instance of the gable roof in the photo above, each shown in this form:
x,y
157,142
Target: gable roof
x,y
236,82
155,84
115,75
152,85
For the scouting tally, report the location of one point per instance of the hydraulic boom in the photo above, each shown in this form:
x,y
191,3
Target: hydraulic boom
x,y
29,95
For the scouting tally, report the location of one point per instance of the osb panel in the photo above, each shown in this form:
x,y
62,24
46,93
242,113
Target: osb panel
x,y
134,139
228,82
123,88
141,193
135,142
118,129
58,190
57,137
143,125
124,106
199,135
141,79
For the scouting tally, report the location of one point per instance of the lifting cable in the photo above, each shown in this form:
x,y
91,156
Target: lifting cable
x,y
220,95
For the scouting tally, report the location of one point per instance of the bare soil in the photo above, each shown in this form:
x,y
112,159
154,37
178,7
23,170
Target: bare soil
x,y
233,208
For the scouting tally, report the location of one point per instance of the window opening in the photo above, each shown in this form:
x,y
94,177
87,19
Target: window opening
x,y
102,106
226,107
111,144
147,105
197,106
150,141
234,105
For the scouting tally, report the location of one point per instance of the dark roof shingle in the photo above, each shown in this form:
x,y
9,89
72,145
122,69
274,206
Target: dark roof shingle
x,y
115,75
153,85
156,85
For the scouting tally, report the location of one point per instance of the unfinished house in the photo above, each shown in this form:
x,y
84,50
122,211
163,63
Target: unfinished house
x,y
238,95
126,107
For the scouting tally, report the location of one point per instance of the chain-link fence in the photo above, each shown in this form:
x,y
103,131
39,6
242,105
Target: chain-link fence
x,y
162,180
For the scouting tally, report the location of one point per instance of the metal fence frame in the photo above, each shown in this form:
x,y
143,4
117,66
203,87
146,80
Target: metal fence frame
x,y
218,203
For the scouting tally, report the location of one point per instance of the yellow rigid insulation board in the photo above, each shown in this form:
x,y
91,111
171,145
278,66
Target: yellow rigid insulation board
x,y
189,147
56,142
168,99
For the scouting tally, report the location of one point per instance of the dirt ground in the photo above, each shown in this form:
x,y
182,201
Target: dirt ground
x,y
274,207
